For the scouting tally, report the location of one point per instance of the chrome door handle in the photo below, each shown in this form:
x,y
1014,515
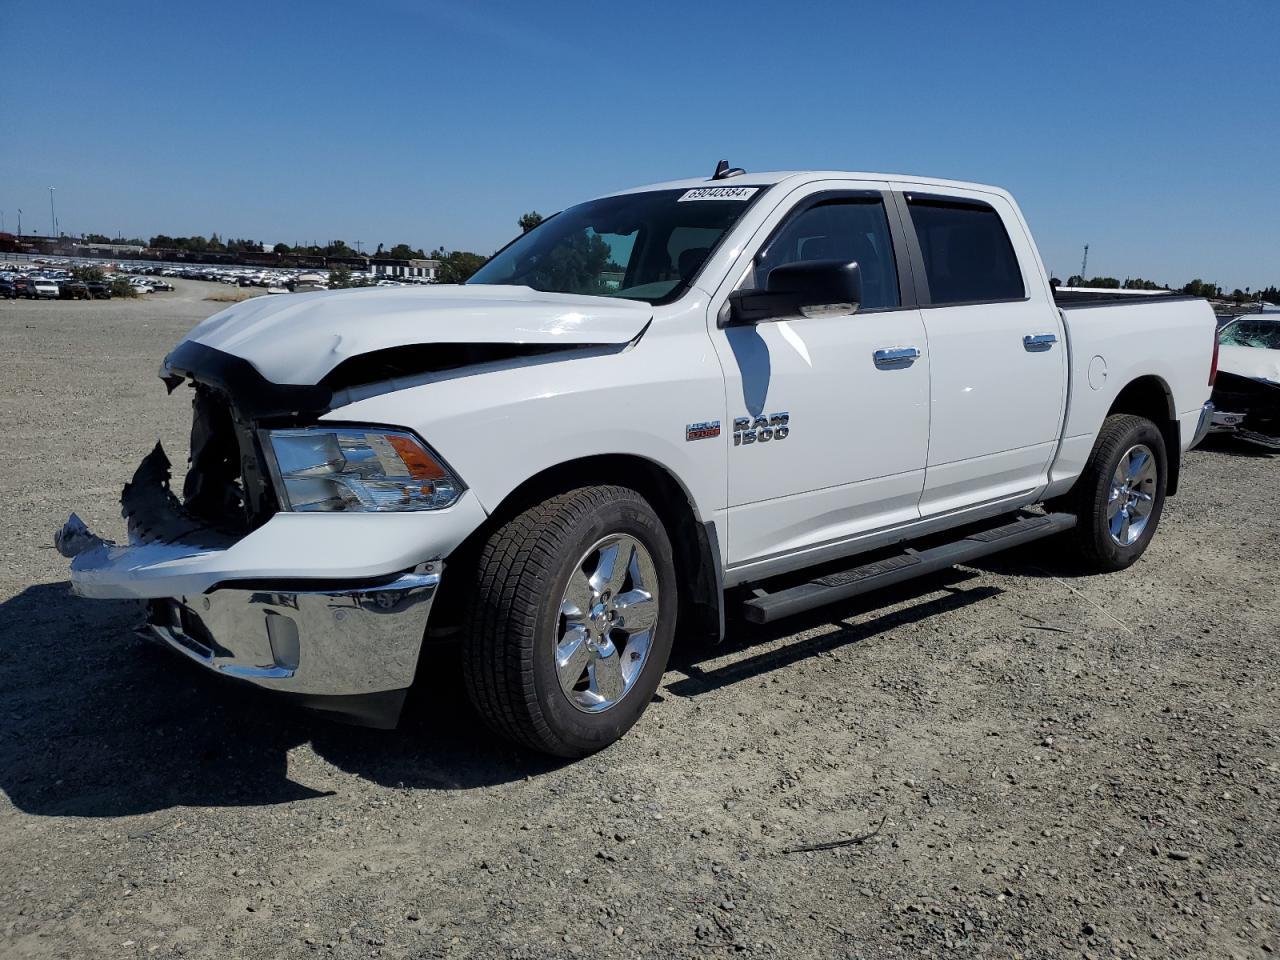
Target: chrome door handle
x,y
1039,341
893,358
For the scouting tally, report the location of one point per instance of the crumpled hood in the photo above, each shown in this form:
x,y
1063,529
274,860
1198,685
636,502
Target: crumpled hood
x,y
1256,363
297,339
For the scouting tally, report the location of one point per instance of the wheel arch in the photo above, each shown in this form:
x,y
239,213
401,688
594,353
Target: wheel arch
x,y
694,540
1150,396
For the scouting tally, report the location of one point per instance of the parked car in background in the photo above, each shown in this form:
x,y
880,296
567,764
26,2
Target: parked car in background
x,y
159,283
1246,396
8,288
72,290
38,288
98,289
141,284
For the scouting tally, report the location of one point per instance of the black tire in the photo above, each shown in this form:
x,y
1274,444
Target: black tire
x,y
1091,499
513,619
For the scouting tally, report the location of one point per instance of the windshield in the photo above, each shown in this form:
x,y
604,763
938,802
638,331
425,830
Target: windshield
x,y
1251,332
641,246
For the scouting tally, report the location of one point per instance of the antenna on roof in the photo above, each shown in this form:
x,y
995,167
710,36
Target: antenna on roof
x,y
724,171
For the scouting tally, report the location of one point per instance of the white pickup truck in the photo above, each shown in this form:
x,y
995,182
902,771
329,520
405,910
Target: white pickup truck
x,y
631,414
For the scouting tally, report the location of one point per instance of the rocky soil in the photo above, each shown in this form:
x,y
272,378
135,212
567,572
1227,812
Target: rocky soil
x,y
1022,761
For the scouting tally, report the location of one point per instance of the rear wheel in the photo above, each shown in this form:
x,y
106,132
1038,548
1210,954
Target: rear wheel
x,y
570,620
1119,496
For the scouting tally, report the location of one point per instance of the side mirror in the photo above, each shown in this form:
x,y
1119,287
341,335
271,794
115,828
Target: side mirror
x,y
809,288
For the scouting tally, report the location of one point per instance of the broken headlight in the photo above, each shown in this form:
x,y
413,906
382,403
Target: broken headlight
x,y
358,469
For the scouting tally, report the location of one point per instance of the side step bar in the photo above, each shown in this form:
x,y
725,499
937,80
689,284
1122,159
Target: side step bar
x,y
906,566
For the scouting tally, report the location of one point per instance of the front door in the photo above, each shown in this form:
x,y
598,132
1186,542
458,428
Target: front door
x,y
828,416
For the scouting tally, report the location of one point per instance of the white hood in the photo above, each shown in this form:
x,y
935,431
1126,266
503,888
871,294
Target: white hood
x,y
1256,363
299,338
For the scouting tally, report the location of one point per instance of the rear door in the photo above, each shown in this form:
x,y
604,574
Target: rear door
x,y
828,414
997,357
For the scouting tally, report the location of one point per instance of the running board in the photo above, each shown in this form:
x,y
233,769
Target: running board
x,y
906,566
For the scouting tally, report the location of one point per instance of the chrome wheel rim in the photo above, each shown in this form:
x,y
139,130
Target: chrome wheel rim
x,y
607,617
1133,495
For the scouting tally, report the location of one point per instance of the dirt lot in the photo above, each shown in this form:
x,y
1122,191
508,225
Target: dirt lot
x,y
1056,765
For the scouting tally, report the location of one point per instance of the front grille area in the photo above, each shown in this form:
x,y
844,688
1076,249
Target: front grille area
x,y
226,485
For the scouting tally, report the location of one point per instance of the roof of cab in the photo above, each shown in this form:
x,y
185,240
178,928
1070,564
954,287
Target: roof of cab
x,y
797,177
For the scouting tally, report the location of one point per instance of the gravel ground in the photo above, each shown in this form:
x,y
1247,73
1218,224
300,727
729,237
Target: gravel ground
x,y
1051,764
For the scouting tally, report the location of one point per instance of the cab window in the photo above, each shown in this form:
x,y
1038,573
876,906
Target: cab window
x,y
845,230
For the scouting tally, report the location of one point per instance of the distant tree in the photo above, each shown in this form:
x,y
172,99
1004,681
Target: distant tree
x,y
338,248
214,244
529,220
96,238
240,245
1202,288
402,251
282,248
1075,280
456,266
88,274
161,242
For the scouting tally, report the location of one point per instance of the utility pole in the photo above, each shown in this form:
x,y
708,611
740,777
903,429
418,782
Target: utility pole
x,y
1084,264
358,242
19,223
53,219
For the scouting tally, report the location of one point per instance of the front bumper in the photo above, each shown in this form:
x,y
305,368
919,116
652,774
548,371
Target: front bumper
x,y
327,609
348,650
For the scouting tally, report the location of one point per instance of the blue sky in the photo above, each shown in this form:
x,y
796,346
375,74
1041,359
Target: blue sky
x,y
1150,130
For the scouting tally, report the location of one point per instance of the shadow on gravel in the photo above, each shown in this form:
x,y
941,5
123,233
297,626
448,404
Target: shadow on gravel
x,y
1226,444
742,636
97,723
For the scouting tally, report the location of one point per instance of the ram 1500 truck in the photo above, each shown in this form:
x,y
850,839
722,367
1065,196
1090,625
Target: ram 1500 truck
x,y
774,390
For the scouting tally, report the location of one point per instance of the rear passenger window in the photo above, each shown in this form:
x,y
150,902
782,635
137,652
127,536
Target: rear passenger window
x,y
839,230
967,253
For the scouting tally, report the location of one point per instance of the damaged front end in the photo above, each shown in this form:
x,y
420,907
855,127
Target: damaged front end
x,y
333,618
1248,408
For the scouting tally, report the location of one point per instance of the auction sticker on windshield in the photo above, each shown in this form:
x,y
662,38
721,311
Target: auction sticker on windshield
x,y
718,193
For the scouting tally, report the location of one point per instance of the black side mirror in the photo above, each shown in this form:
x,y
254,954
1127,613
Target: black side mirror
x,y
810,288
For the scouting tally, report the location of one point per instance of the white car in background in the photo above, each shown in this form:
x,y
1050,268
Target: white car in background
x,y
1247,392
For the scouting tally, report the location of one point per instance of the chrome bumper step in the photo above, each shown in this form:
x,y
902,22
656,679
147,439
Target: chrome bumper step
x,y
907,565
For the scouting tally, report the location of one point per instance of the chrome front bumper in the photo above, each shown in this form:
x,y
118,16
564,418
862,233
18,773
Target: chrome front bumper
x,y
321,644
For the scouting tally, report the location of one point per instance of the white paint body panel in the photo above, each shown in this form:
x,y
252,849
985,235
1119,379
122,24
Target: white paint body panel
x,y
1170,341
975,426
1256,363
321,546
300,338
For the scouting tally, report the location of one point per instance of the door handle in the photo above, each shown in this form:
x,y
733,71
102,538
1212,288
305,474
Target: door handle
x,y
1039,342
893,358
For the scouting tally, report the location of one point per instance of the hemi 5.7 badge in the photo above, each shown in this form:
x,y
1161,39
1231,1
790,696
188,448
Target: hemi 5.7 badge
x,y
774,426
702,431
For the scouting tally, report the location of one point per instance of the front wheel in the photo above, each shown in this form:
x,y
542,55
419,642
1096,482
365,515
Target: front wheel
x,y
570,620
1119,496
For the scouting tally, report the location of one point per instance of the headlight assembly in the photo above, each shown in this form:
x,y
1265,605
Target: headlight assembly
x,y
358,469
